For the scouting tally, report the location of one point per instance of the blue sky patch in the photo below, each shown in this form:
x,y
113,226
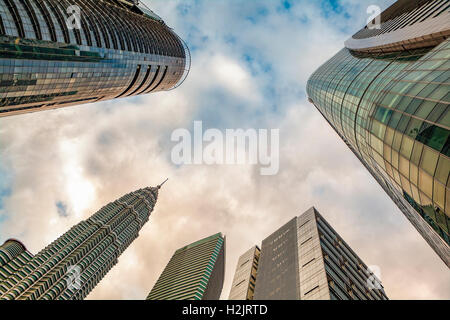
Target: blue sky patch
x,y
62,209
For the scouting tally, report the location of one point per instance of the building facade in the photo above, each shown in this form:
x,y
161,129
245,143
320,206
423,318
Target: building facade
x,y
306,259
57,53
278,272
71,266
243,286
195,272
387,95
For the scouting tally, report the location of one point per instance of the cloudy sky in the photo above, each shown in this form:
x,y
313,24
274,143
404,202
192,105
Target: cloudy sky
x,y
251,60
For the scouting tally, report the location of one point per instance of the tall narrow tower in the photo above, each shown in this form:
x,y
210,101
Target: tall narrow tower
x,y
58,53
387,95
243,286
71,266
195,272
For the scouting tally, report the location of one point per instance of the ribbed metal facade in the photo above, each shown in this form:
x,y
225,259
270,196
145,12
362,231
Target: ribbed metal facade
x,y
92,246
243,285
307,260
13,256
195,272
51,57
392,110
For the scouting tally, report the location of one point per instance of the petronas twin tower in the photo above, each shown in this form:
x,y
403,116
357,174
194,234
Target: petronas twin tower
x,y
52,57
71,266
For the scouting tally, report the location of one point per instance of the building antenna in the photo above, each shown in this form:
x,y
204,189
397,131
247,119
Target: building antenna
x,y
159,186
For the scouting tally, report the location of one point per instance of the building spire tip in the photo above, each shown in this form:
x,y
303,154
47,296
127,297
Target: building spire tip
x,y
159,186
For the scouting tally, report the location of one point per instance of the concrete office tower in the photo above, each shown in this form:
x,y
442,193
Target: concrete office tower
x,y
307,260
72,265
195,272
243,286
58,53
387,95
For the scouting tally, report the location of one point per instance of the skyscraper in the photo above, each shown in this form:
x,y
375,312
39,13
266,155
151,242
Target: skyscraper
x,y
71,266
57,53
387,95
306,259
243,286
195,272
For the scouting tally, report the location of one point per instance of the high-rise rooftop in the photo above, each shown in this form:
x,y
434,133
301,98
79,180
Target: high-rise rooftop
x,y
57,53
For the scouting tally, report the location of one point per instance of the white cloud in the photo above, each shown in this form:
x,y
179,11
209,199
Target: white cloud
x,y
229,74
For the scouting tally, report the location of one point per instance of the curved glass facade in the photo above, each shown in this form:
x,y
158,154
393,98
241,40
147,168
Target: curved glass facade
x,y
10,250
48,60
392,110
92,246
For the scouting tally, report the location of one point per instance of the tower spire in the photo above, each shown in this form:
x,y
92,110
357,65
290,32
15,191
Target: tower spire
x,y
160,185
119,219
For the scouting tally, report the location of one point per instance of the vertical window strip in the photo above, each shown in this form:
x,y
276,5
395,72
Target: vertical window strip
x,y
97,16
15,14
60,20
127,30
442,11
151,82
436,8
160,80
111,31
2,27
36,26
86,30
425,9
135,24
47,18
92,25
147,74
119,28
136,75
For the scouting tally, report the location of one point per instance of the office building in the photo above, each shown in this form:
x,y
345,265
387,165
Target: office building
x,y
306,259
195,272
243,286
72,265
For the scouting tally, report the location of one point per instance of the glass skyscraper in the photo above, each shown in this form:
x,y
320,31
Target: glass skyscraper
x,y
387,95
306,259
195,272
57,53
71,266
243,286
